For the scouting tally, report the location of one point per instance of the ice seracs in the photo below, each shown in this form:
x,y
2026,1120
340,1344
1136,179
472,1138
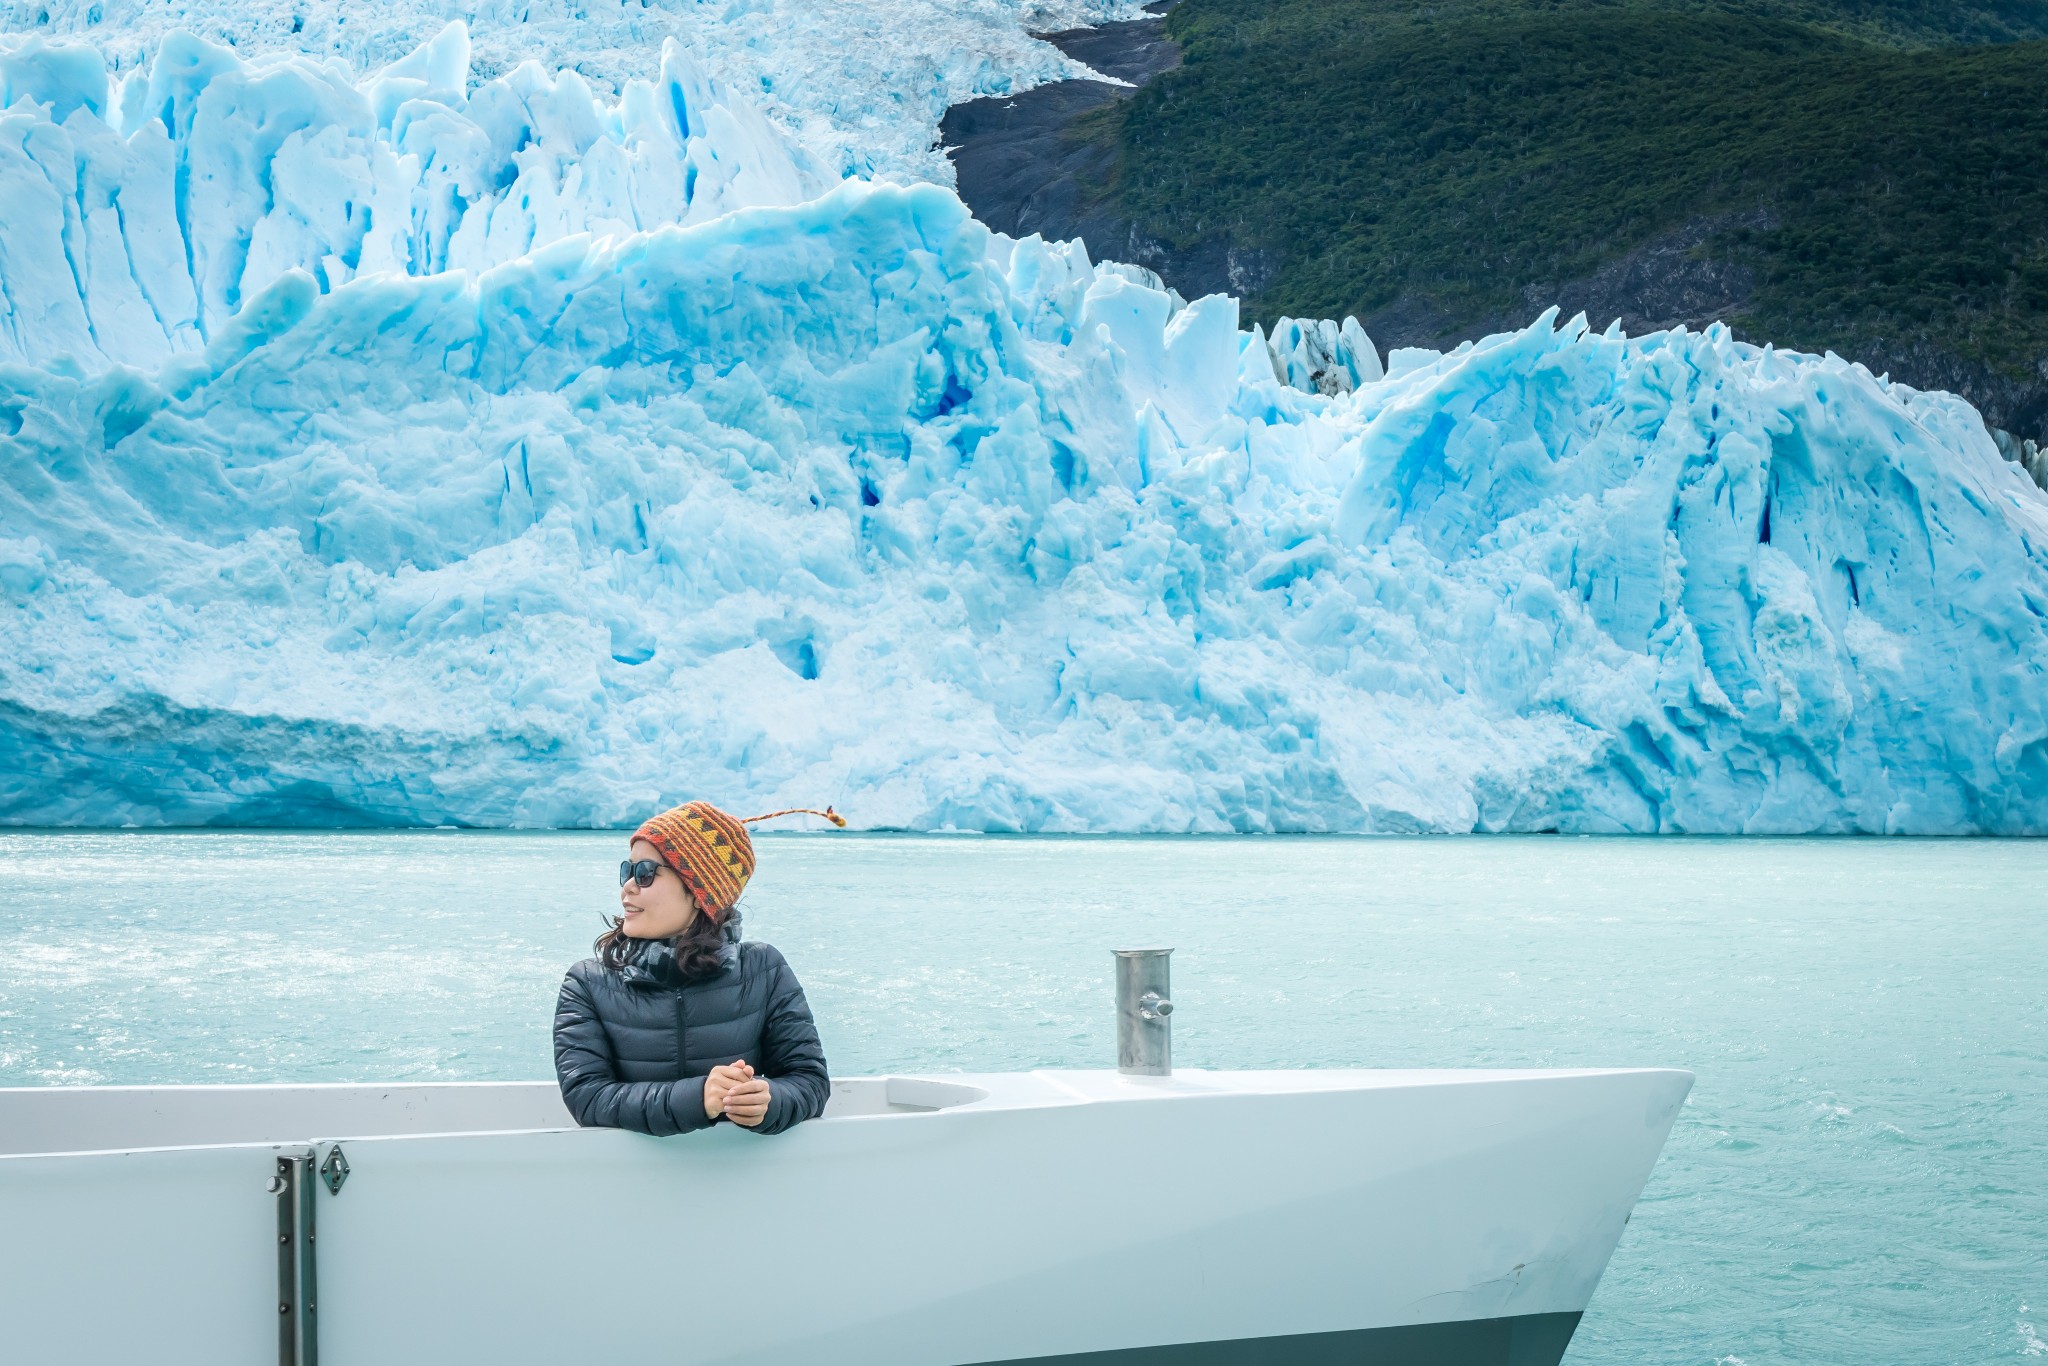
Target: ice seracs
x,y
142,210
860,84
1322,356
994,537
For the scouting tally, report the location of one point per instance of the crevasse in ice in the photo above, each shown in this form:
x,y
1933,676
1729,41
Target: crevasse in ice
x,y
852,500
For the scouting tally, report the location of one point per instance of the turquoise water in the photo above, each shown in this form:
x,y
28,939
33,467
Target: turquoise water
x,y
1861,1174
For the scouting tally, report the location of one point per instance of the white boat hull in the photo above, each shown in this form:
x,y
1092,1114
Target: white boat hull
x,y
1201,1219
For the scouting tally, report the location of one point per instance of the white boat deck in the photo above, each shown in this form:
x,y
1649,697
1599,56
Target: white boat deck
x,y
1409,1218
49,1120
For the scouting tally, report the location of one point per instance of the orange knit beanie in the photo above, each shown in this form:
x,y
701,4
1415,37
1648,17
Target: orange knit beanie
x,y
710,850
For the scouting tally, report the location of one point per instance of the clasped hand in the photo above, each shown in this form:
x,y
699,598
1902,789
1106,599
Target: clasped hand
x,y
735,1092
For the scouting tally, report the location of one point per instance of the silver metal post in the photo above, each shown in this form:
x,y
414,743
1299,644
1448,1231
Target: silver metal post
x,y
1144,1010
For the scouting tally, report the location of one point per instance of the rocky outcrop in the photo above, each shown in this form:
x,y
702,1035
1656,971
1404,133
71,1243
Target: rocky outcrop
x,y
1028,164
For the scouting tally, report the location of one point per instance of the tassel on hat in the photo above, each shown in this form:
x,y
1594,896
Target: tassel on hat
x,y
828,813
710,849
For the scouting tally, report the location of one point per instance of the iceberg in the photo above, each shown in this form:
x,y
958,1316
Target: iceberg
x,y
312,519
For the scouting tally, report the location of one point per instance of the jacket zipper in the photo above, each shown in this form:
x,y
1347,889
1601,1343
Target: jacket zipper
x,y
680,1055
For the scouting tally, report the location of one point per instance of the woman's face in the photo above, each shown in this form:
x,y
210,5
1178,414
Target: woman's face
x,y
661,910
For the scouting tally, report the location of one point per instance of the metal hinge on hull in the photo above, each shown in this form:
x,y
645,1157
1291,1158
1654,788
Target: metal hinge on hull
x,y
294,1184
298,1339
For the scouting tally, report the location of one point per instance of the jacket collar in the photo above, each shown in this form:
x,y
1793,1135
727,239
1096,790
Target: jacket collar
x,y
652,962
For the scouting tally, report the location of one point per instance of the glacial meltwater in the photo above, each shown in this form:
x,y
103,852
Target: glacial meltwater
x,y
1861,1175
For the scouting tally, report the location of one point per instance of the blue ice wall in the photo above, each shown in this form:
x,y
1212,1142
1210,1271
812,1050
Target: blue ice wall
x,y
851,500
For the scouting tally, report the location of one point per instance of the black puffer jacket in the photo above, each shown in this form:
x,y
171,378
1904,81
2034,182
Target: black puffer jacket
x,y
632,1047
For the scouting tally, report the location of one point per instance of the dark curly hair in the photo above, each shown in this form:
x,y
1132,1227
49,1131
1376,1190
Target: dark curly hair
x,y
696,948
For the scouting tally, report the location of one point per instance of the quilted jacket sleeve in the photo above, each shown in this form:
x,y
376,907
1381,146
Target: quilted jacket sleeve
x,y
793,1059
594,1095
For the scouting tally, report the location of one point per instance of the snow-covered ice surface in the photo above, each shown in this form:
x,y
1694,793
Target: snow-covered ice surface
x,y
849,499
860,84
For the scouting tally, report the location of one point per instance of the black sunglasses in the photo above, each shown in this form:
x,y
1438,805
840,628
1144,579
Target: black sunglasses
x,y
644,872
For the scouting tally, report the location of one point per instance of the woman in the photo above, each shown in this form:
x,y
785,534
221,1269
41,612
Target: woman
x,y
676,1024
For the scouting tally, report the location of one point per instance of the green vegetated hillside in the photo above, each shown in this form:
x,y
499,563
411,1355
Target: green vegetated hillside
x,y
1869,176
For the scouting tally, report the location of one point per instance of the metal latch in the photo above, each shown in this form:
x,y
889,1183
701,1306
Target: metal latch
x,y
334,1170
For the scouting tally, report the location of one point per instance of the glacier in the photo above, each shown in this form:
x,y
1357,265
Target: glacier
x,y
785,489
141,212
860,85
